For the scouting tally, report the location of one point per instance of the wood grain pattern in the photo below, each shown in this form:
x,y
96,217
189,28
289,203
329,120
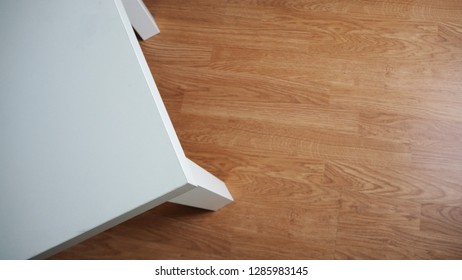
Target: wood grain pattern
x,y
441,219
337,126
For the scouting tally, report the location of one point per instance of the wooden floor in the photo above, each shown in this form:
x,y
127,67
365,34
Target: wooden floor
x,y
337,126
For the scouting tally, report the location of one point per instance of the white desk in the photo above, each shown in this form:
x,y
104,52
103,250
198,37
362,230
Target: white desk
x,y
86,142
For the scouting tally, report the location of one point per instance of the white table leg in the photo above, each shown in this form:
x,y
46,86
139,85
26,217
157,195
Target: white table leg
x,y
140,18
210,192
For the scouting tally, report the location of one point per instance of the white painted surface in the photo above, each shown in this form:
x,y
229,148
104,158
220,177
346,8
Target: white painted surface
x,y
140,18
85,139
209,192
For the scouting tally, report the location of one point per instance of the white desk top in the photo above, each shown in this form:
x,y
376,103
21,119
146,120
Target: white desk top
x,y
85,138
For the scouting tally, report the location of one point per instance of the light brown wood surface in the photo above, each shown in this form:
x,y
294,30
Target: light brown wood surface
x,y
337,126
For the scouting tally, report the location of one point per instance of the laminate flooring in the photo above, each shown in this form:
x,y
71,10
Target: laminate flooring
x,y
337,126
